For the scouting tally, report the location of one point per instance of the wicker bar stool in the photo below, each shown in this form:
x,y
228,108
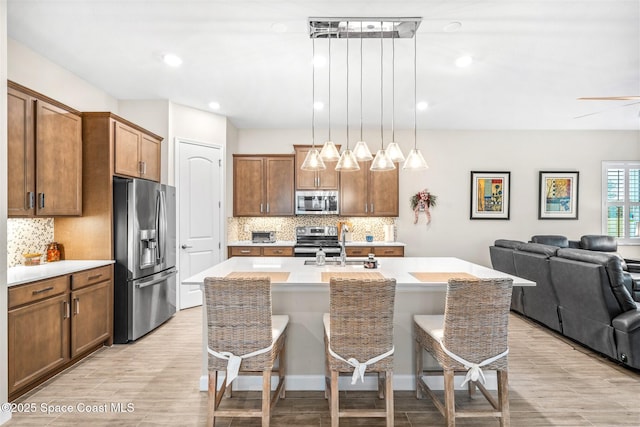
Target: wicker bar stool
x,y
358,335
469,337
243,338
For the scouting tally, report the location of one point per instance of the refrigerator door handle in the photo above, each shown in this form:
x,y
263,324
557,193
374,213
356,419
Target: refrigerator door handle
x,y
161,225
155,279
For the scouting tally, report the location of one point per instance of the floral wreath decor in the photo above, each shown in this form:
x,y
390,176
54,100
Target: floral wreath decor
x,y
423,200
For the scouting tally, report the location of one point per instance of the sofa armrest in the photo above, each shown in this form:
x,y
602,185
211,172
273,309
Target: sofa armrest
x,y
628,322
633,265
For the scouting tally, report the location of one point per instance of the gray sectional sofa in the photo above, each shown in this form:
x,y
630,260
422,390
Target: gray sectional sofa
x,y
582,293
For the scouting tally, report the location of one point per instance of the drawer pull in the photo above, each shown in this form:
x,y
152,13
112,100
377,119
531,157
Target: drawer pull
x,y
39,291
97,276
388,251
277,251
245,251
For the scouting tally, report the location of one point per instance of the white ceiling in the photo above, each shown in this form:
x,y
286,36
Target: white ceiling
x,y
532,59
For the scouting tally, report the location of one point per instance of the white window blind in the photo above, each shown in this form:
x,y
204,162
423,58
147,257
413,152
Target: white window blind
x,y
621,200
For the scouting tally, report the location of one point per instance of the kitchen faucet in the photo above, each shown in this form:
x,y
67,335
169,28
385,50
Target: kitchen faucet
x,y
343,252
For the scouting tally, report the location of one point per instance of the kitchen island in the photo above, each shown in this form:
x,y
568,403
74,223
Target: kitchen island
x,y
302,292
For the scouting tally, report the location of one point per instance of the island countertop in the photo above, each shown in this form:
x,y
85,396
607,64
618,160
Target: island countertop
x,y
302,292
399,268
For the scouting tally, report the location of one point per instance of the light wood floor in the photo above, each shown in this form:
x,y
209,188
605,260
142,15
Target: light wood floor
x,y
553,382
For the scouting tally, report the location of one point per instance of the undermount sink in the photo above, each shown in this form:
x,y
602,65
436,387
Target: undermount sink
x,y
335,262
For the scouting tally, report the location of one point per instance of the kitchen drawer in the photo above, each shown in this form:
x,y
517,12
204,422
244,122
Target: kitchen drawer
x,y
389,251
277,251
245,251
24,294
90,277
358,251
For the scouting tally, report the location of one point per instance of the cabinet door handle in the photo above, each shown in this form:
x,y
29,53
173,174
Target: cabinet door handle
x,y
144,168
31,199
372,208
65,308
186,246
76,309
366,208
41,203
267,207
260,207
39,291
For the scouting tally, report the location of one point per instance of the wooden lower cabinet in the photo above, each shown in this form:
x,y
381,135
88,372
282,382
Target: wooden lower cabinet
x,y
379,251
53,323
260,251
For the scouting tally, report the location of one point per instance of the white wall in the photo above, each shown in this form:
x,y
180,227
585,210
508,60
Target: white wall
x,y
4,396
32,70
453,154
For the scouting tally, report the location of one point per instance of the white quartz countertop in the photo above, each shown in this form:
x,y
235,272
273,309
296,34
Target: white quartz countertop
x,y
292,243
399,268
25,274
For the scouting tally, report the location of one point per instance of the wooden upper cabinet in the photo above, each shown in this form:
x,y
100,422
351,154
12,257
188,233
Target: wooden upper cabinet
x,y
368,193
137,154
279,191
21,152
327,179
58,161
263,185
45,155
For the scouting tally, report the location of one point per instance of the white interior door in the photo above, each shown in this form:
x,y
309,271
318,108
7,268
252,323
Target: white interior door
x,y
200,184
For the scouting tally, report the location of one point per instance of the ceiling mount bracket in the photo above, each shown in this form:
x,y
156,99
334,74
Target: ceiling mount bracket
x,y
376,28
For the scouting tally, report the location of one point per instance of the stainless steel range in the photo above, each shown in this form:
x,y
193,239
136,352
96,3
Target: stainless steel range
x,y
311,238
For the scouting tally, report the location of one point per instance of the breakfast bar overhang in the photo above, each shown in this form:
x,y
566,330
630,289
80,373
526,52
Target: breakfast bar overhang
x,y
302,292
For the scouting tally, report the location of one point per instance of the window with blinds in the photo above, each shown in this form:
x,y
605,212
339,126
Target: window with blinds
x,y
621,200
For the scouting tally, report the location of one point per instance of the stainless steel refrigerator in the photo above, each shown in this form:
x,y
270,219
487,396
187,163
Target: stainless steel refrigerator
x,y
144,233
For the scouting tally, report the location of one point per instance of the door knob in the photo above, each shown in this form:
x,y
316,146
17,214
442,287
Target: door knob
x,y
186,246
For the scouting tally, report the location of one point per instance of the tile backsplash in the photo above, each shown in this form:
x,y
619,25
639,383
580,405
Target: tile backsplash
x,y
240,228
27,235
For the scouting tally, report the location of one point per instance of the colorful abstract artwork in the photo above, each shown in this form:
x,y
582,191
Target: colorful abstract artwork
x,y
490,195
558,195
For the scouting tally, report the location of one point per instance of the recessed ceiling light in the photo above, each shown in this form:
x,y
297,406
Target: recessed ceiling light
x,y
452,27
464,61
319,61
318,105
422,105
172,59
214,105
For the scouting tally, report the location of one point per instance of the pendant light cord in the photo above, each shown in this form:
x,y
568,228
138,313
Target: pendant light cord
x,y
347,85
313,95
393,83
381,86
415,88
360,80
329,87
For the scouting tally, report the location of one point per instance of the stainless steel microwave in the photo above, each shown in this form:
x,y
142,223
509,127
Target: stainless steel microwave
x,y
317,203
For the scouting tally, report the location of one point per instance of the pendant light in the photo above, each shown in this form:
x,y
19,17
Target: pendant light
x,y
415,160
313,161
381,162
329,152
347,162
393,149
361,150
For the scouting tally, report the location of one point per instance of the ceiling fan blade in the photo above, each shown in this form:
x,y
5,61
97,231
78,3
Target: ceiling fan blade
x,y
610,98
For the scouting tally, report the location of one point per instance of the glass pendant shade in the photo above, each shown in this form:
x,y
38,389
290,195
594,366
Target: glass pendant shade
x,y
394,152
347,162
382,162
329,152
362,152
313,161
415,160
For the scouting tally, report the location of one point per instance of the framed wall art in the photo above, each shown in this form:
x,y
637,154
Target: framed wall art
x,y
558,198
490,195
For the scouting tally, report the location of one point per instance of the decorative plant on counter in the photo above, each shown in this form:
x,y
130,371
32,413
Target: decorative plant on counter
x,y
423,200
